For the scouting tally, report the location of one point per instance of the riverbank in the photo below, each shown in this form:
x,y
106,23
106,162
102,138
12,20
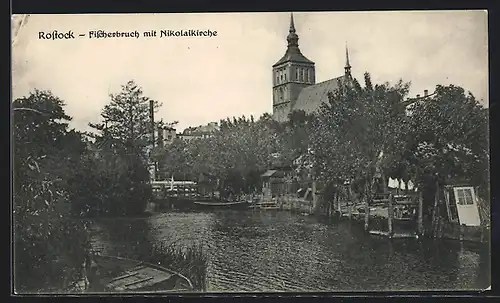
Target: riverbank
x,y
378,221
249,251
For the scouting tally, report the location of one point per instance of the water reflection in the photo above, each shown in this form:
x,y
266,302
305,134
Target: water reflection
x,y
280,251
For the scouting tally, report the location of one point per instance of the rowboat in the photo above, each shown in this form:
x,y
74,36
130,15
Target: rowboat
x,y
116,274
214,204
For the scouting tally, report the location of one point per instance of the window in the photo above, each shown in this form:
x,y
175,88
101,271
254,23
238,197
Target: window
x,y
169,137
301,75
285,76
464,197
296,74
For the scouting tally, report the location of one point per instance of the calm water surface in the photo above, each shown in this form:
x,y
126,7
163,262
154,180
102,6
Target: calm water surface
x,y
281,251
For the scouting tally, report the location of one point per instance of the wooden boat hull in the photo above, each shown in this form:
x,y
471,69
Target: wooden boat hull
x,y
118,274
214,205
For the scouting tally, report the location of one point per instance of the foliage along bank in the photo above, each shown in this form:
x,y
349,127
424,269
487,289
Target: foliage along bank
x,y
60,175
49,247
364,134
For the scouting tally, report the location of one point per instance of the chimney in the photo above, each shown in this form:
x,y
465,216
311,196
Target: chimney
x,y
418,96
426,93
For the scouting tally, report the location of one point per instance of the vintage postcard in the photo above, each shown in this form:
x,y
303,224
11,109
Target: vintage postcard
x,y
250,152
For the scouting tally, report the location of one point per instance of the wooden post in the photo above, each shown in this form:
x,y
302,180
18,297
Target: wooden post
x,y
349,201
420,219
331,207
367,212
435,211
390,209
338,204
315,200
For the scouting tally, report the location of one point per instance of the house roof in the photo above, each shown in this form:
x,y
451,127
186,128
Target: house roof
x,y
311,97
293,54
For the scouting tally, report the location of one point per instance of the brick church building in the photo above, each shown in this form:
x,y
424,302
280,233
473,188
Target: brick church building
x,y
294,81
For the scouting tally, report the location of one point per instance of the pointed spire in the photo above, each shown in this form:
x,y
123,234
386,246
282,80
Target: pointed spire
x,y
292,38
347,64
347,56
293,52
292,25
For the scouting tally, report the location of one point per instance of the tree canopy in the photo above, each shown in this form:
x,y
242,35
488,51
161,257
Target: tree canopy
x,y
46,153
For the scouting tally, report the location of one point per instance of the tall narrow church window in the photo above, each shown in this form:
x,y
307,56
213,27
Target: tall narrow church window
x,y
296,74
301,75
284,77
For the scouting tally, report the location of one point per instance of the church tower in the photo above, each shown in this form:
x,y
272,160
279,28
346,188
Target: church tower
x,y
291,74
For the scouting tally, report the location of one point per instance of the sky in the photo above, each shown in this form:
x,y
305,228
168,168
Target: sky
x,y
203,79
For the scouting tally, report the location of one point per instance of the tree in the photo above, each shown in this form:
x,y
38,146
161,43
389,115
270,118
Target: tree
x,y
357,133
127,117
236,154
449,139
297,133
48,245
121,175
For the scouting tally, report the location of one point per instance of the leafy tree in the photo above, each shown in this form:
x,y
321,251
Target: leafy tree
x,y
296,134
357,133
116,182
127,117
49,247
237,154
120,176
449,139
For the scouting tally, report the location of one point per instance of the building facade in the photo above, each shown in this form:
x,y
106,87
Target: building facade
x,y
165,135
294,81
202,131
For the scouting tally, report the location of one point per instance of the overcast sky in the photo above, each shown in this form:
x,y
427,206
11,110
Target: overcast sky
x,y
200,80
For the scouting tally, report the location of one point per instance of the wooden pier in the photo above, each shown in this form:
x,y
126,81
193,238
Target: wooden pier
x,y
395,206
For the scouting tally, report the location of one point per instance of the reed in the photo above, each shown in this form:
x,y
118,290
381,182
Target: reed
x,y
188,259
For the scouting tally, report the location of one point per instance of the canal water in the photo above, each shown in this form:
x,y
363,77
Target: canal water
x,y
281,251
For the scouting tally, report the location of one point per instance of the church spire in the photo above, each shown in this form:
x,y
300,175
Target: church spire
x,y
347,67
292,25
292,38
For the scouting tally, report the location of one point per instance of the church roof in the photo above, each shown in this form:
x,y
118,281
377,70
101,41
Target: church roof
x,y
293,54
311,97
